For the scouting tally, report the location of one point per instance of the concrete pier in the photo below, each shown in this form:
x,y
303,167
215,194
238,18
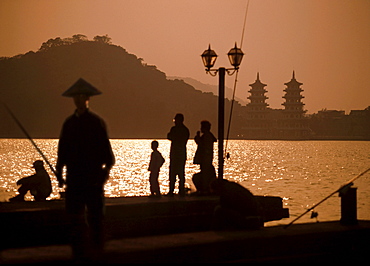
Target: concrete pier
x,y
176,230
301,243
46,223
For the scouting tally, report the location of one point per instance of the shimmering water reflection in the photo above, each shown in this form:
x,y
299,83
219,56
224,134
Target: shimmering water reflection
x,y
301,172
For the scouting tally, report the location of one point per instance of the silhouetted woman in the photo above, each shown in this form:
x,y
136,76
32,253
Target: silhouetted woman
x,y
204,157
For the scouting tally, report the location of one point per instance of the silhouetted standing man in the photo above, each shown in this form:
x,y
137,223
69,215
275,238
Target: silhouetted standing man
x,y
85,150
179,135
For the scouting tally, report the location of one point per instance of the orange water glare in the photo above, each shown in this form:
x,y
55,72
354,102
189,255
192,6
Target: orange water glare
x,y
130,175
301,172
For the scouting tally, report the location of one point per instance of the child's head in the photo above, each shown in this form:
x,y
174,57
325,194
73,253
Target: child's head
x,y
154,144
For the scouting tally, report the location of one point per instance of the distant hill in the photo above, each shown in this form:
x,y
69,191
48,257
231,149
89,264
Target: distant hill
x,y
209,88
138,100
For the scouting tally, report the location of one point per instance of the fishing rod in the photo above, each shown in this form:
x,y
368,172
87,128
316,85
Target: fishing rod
x,y
235,82
29,137
342,188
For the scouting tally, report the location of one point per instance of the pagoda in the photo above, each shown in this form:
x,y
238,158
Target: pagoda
x,y
262,122
293,99
294,124
257,106
256,123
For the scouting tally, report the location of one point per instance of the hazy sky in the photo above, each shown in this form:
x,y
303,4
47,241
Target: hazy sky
x,y
326,42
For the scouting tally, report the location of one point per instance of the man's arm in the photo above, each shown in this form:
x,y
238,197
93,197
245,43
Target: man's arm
x,y
59,173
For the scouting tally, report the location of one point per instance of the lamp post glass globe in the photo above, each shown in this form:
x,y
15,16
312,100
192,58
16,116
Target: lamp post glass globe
x,y
209,58
235,56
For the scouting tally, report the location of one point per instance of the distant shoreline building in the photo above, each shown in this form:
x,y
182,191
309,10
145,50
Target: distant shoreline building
x,y
262,122
334,124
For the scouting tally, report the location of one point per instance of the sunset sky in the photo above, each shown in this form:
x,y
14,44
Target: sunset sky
x,y
326,42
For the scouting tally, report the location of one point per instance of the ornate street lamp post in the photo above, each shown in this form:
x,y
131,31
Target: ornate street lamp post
x,y
209,58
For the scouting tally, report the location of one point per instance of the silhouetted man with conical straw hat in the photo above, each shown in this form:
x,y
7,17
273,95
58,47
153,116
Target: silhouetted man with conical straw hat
x,y
85,150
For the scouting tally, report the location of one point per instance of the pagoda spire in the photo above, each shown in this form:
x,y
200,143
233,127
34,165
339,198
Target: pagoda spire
x,y
293,82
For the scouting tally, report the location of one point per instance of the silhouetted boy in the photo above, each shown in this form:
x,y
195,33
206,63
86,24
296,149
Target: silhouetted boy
x,y
156,161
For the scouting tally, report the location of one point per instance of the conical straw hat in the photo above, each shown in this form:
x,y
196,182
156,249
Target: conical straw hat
x,y
81,87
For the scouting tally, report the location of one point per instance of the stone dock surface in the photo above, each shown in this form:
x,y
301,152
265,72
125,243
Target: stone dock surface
x,y
176,230
322,242
46,223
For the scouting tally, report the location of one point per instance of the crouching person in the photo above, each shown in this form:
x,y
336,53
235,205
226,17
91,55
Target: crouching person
x,y
38,184
237,209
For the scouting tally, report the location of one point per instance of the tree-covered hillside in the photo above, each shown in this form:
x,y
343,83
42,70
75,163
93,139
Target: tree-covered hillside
x,y
138,101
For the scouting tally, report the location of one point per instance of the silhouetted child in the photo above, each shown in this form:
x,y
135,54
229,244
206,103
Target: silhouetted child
x,y
156,161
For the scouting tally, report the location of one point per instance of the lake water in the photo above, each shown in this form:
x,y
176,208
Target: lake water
x,y
301,172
